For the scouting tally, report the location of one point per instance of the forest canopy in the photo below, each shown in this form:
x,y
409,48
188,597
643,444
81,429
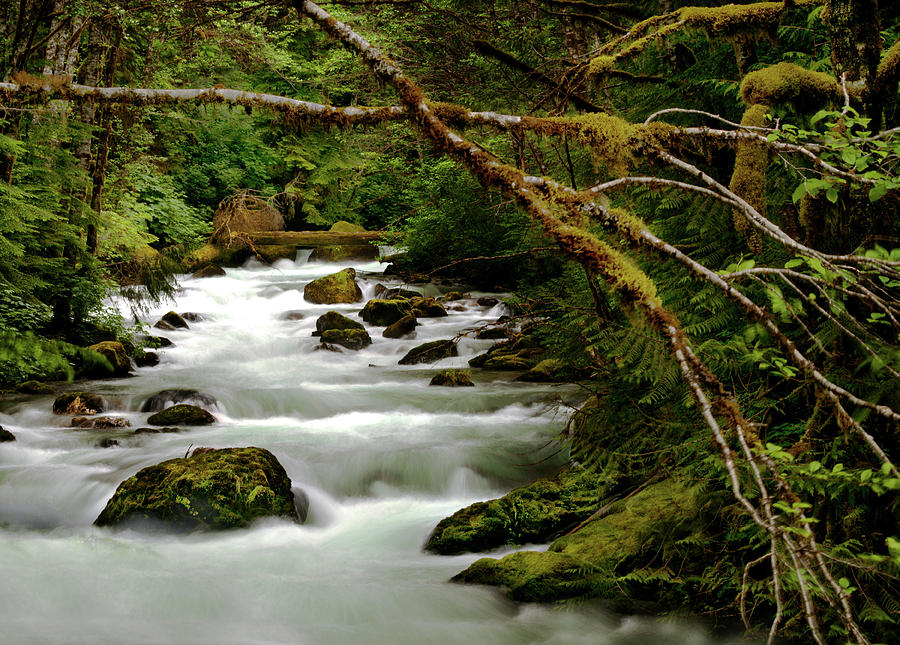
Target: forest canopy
x,y
695,206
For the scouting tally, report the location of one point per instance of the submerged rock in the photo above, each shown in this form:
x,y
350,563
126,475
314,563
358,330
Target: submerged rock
x,y
333,289
430,352
452,378
79,403
292,315
350,338
336,320
92,423
192,316
638,534
209,271
531,513
182,415
382,313
161,400
6,435
403,327
164,430
114,352
147,359
339,253
210,490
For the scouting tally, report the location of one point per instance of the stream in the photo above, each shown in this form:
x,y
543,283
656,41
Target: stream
x,y
381,456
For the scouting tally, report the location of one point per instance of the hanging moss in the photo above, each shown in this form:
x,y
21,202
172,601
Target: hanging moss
x,y
790,84
748,180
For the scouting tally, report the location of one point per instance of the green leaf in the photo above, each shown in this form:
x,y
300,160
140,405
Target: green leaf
x,y
878,191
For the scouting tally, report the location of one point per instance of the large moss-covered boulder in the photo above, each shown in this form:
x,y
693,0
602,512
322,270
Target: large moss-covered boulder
x,y
529,514
175,319
428,308
430,352
350,338
383,313
211,490
79,403
549,370
6,435
336,320
333,289
114,352
182,415
403,327
640,535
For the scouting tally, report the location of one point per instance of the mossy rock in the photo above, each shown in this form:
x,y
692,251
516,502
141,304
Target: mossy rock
x,y
452,378
163,398
493,333
336,320
430,352
273,252
383,313
332,289
79,403
34,387
428,308
529,514
176,320
147,359
339,253
452,296
6,435
638,535
399,293
212,254
182,415
209,271
531,576
163,430
403,327
549,370
355,339
522,352
343,226
114,352
212,490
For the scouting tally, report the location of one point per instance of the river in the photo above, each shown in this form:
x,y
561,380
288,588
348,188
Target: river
x,y
381,456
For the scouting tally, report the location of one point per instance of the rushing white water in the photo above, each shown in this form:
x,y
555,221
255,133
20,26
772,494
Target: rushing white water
x,y
380,454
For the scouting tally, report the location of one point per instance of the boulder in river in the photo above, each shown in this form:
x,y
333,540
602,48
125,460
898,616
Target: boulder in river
x,y
382,313
403,327
162,324
452,378
175,319
163,399
332,289
430,352
114,352
529,514
488,301
211,490
209,271
6,435
79,403
192,316
163,430
549,370
336,320
147,359
521,352
350,338
182,415
428,308
643,534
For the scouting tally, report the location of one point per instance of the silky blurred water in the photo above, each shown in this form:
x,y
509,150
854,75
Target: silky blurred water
x,y
381,456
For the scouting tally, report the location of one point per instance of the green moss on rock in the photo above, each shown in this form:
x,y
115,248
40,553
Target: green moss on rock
x,y
34,387
213,490
335,320
626,555
549,370
430,352
114,352
209,271
401,328
332,289
452,378
343,226
531,513
339,253
350,338
383,313
182,415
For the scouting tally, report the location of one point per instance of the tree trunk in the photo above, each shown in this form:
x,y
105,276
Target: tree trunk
x,y
854,35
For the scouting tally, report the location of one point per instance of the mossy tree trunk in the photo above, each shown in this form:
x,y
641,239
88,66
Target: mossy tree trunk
x,y
855,39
